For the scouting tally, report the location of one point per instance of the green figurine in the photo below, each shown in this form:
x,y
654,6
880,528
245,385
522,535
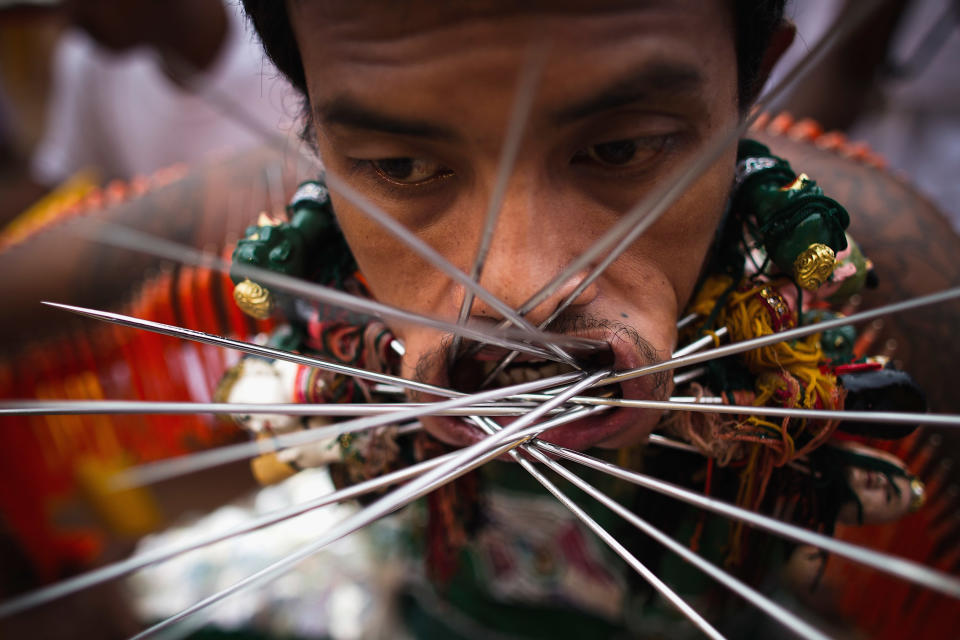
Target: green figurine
x,y
838,343
801,229
309,246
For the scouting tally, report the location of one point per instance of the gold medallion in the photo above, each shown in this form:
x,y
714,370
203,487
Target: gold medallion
x,y
253,299
812,267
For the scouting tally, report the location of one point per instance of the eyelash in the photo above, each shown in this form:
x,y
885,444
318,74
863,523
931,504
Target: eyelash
x,y
657,143
369,167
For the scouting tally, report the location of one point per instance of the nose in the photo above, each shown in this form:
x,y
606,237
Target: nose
x,y
537,235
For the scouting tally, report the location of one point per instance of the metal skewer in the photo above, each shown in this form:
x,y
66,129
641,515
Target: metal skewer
x,y
782,336
165,469
522,103
465,460
668,594
130,407
751,595
899,567
139,561
621,235
127,238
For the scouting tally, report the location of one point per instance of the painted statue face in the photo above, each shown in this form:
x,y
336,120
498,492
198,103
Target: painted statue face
x,y
880,499
411,108
262,382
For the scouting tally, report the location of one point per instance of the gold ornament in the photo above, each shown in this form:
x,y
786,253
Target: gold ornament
x,y
917,493
797,184
263,220
812,267
253,299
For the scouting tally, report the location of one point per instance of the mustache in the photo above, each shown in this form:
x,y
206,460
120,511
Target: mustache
x,y
567,323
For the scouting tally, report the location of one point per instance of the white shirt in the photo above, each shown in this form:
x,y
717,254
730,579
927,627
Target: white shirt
x,y
123,115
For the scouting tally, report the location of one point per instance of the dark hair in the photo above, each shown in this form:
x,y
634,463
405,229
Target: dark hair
x,y
755,23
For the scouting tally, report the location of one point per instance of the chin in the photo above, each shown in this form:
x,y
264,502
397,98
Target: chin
x,y
613,428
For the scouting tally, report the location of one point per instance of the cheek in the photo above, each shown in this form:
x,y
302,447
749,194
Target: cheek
x,y
905,497
398,277
658,274
424,351
396,274
683,236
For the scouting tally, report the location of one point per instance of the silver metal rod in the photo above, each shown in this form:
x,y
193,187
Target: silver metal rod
x,y
899,567
749,594
151,407
668,594
700,343
124,237
504,362
621,235
651,207
782,336
362,518
687,376
565,416
693,347
403,234
522,103
252,348
712,406
171,468
139,561
670,443
128,407
686,320
435,258
388,389
696,400
464,461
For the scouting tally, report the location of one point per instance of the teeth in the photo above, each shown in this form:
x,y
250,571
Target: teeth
x,y
517,374
552,370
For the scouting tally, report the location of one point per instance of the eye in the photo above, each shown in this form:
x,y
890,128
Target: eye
x,y
628,152
409,170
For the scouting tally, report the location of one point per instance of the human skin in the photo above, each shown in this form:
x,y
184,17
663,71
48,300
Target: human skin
x,y
122,26
627,95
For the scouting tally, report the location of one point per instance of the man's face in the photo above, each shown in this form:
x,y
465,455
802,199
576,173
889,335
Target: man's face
x,y
411,107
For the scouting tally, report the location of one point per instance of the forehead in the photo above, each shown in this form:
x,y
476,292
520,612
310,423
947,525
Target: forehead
x,y
411,53
383,20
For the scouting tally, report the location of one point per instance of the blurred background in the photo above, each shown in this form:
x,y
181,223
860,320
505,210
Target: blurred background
x,y
894,86
167,116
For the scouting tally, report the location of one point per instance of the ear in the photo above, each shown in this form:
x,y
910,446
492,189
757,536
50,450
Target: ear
x,y
781,39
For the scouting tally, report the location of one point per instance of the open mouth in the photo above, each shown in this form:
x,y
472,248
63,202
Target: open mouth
x,y
475,370
485,369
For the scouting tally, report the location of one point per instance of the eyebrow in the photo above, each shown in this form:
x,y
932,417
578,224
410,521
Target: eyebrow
x,y
650,81
344,111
